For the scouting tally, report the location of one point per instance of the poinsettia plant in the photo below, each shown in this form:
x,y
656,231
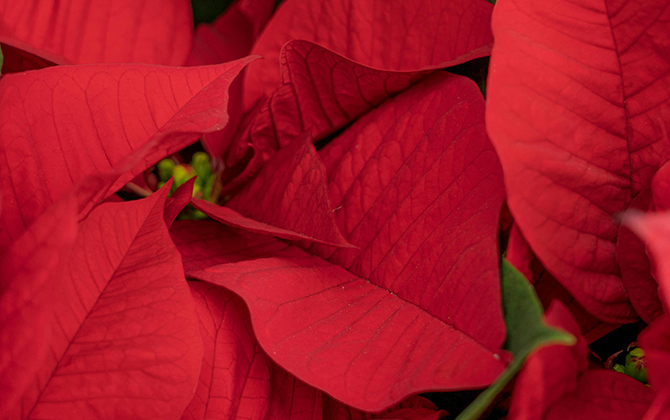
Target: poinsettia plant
x,y
329,210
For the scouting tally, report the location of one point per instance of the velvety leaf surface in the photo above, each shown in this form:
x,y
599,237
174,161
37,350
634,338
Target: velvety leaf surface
x,y
635,267
390,35
291,192
26,287
321,92
527,332
63,124
239,381
107,31
124,338
551,371
575,97
602,394
360,343
656,343
417,187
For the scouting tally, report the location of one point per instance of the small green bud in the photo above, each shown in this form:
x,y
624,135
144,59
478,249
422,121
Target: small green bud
x,y
635,365
201,165
618,368
181,174
165,167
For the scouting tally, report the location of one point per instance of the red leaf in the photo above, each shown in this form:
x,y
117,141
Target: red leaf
x,y
548,289
574,98
391,35
234,380
239,381
178,200
321,92
206,243
603,395
635,267
654,229
290,193
232,34
409,174
63,124
421,310
554,384
551,371
109,31
124,338
26,288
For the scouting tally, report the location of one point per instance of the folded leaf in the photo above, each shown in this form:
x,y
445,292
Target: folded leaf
x,y
358,342
321,91
240,381
206,243
416,186
63,124
390,35
290,192
416,307
231,35
548,289
576,94
111,31
124,338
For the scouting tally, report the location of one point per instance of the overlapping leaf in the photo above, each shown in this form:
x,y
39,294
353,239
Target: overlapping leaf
x,y
239,381
110,31
390,35
124,339
548,289
417,307
232,34
575,95
321,92
61,125
289,196
635,267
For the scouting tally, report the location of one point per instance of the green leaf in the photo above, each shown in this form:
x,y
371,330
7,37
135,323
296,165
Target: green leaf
x,y
526,333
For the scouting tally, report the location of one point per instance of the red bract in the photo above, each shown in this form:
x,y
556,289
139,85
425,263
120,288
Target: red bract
x,y
321,92
108,31
61,125
548,289
390,35
122,337
576,94
415,325
240,381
